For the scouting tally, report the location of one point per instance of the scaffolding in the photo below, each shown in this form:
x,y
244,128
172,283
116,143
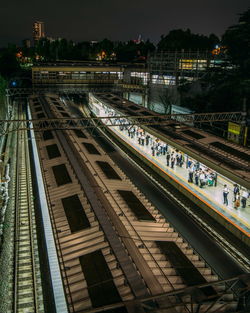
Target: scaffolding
x,y
172,68
168,70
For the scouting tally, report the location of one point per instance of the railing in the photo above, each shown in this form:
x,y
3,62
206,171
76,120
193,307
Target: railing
x,y
73,86
86,122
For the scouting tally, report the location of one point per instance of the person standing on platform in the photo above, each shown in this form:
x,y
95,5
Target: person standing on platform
x,y
244,197
225,195
160,149
172,160
196,177
165,148
197,166
237,200
177,159
132,133
236,191
142,139
210,180
168,158
215,179
202,179
153,150
181,160
190,174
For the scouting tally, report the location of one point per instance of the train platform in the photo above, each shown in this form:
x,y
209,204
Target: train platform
x,y
54,267
213,195
225,157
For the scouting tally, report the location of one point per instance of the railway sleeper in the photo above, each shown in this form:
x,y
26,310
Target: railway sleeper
x,y
82,305
96,246
83,241
79,234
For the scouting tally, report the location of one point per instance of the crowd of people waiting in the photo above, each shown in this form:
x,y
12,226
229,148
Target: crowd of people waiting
x,y
197,173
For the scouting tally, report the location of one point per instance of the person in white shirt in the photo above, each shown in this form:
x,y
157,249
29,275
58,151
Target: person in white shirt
x,y
225,194
190,174
172,160
244,197
202,179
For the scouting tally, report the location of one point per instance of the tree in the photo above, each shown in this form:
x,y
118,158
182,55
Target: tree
x,y
168,97
179,39
3,85
42,48
237,40
105,45
133,51
83,50
222,90
8,64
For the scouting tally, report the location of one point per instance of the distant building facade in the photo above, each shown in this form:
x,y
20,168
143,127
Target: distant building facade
x,y
38,31
26,43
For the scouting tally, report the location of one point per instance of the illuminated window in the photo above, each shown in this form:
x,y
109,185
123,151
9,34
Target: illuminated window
x,y
192,64
140,77
186,64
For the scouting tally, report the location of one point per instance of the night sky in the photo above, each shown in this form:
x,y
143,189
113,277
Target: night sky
x,y
81,20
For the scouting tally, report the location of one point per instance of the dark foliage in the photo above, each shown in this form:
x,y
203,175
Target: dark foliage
x,y
8,64
179,39
237,40
225,89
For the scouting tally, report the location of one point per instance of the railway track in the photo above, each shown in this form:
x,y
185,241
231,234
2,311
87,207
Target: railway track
x,y
75,239
100,218
26,284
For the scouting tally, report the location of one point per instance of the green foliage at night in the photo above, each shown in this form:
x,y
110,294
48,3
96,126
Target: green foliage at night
x,y
179,39
224,89
8,63
3,85
237,40
216,92
104,50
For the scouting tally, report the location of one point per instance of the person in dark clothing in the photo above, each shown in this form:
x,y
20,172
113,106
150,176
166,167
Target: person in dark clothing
x,y
168,158
177,156
142,140
215,179
236,191
190,175
196,178
153,151
225,194
181,160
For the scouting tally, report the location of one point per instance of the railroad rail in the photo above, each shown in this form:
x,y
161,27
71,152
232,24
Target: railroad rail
x,y
27,289
92,205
